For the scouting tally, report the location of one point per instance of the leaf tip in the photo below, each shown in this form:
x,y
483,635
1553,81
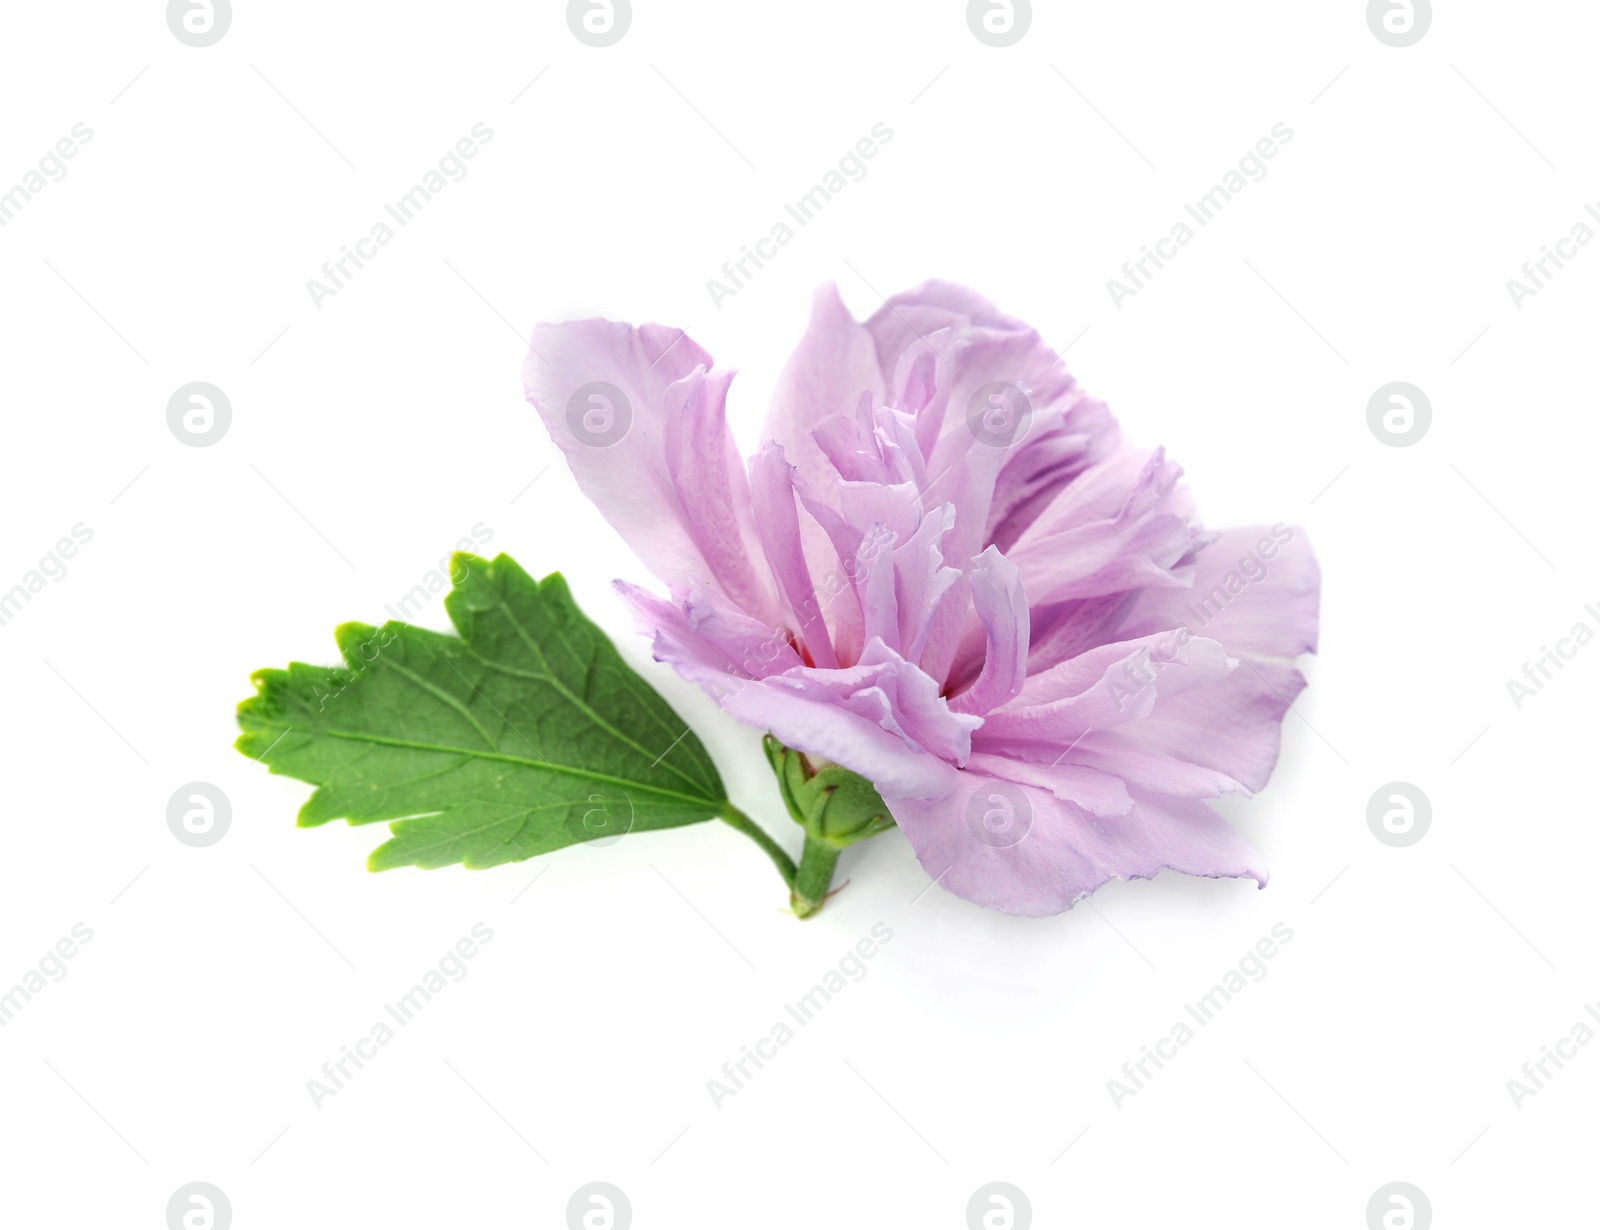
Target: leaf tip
x,y
353,638
387,857
464,563
554,589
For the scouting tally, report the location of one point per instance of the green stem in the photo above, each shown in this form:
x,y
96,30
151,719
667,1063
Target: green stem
x,y
738,820
815,873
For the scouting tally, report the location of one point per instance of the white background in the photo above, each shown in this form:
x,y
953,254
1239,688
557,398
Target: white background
x,y
369,435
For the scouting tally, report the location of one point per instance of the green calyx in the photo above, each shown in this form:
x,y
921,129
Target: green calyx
x,y
834,806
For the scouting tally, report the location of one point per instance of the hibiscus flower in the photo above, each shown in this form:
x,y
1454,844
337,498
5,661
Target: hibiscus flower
x,y
945,571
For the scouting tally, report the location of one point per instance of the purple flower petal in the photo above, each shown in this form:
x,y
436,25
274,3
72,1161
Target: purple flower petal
x,y
1003,610
815,721
832,367
1105,687
707,639
1064,853
948,574
777,516
1254,589
626,406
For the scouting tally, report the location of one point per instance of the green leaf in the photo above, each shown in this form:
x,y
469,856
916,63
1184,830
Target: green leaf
x,y
524,734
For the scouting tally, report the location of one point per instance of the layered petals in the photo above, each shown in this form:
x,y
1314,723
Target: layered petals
x,y
1020,848
878,701
641,421
945,571
1002,609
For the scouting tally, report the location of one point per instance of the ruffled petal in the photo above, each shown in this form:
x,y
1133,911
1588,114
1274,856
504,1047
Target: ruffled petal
x,y
1254,589
1109,686
777,515
923,581
1124,525
1233,726
706,639
1094,790
1003,610
882,718
1137,760
832,367
817,724
641,422
1013,846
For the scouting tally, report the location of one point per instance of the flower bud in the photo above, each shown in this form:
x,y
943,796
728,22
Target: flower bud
x,y
832,804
